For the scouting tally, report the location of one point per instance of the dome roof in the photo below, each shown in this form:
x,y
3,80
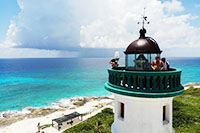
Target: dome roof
x,y
143,45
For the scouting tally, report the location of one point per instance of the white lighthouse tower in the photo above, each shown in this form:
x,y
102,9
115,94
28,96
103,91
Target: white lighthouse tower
x,y
143,97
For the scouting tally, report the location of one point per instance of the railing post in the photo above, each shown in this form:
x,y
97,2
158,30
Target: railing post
x,y
166,81
171,81
129,81
117,76
135,82
154,82
179,80
161,83
123,80
141,82
114,79
111,78
147,83
175,81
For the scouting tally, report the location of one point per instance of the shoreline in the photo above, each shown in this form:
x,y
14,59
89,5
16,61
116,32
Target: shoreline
x,y
10,117
191,84
86,105
61,103
29,125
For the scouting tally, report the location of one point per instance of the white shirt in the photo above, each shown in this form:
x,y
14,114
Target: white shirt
x,y
165,64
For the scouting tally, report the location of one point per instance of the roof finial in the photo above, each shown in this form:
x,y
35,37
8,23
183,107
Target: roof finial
x,y
144,20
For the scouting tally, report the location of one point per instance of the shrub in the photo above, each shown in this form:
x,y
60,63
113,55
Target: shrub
x,y
99,123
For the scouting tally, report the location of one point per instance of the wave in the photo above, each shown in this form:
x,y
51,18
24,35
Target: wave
x,y
62,104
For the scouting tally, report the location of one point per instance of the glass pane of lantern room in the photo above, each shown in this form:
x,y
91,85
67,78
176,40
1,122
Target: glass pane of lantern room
x,y
149,58
141,61
130,60
148,63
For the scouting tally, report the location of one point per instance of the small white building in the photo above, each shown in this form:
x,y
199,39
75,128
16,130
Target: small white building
x,y
143,97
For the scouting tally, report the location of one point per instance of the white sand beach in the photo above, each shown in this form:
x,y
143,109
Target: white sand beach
x,y
29,125
188,85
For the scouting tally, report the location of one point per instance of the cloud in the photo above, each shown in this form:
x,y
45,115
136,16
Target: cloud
x,y
173,6
44,25
71,25
34,53
10,36
197,6
120,29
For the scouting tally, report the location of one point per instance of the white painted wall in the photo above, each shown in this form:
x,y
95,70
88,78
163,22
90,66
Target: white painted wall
x,y
142,115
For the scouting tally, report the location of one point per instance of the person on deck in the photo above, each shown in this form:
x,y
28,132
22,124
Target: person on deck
x,y
165,64
157,64
114,62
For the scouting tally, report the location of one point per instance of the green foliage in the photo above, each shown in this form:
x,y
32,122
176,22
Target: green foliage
x,y
186,116
45,126
99,123
186,112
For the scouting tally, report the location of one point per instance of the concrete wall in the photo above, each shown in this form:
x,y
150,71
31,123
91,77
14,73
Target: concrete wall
x,y
142,115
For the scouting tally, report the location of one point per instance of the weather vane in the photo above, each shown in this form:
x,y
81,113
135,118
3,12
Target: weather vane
x,y
144,20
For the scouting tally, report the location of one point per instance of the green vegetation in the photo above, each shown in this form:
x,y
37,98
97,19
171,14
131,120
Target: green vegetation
x,y
45,126
186,116
99,123
186,112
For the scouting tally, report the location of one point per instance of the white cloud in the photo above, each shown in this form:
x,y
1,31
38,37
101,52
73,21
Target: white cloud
x,y
197,6
34,53
10,36
67,24
45,25
173,6
121,28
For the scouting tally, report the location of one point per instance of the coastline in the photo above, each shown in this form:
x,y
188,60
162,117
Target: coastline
x,y
191,84
88,105
83,105
63,103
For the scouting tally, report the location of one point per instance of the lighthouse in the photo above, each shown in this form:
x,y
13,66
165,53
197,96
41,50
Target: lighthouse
x,y
142,96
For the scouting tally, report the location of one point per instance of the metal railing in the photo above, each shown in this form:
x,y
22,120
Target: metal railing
x,y
146,81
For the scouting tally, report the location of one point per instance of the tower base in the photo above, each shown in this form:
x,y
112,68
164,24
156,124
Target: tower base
x,y
142,115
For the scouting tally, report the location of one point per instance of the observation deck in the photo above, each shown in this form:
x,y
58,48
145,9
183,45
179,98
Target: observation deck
x,y
147,84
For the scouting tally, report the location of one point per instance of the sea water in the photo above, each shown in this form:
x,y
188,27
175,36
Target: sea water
x,y
39,82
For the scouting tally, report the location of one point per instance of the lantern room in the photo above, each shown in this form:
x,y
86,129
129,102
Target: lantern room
x,y
141,52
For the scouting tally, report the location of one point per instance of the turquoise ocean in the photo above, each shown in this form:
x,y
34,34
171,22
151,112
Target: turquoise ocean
x,y
39,82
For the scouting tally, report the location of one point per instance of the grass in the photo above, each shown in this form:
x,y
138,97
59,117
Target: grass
x,y
45,126
186,112
99,123
186,116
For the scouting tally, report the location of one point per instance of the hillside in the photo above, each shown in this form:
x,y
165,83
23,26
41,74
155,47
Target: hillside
x,y
186,116
186,112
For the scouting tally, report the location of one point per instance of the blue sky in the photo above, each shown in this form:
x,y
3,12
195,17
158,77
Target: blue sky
x,y
193,7
9,9
65,28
